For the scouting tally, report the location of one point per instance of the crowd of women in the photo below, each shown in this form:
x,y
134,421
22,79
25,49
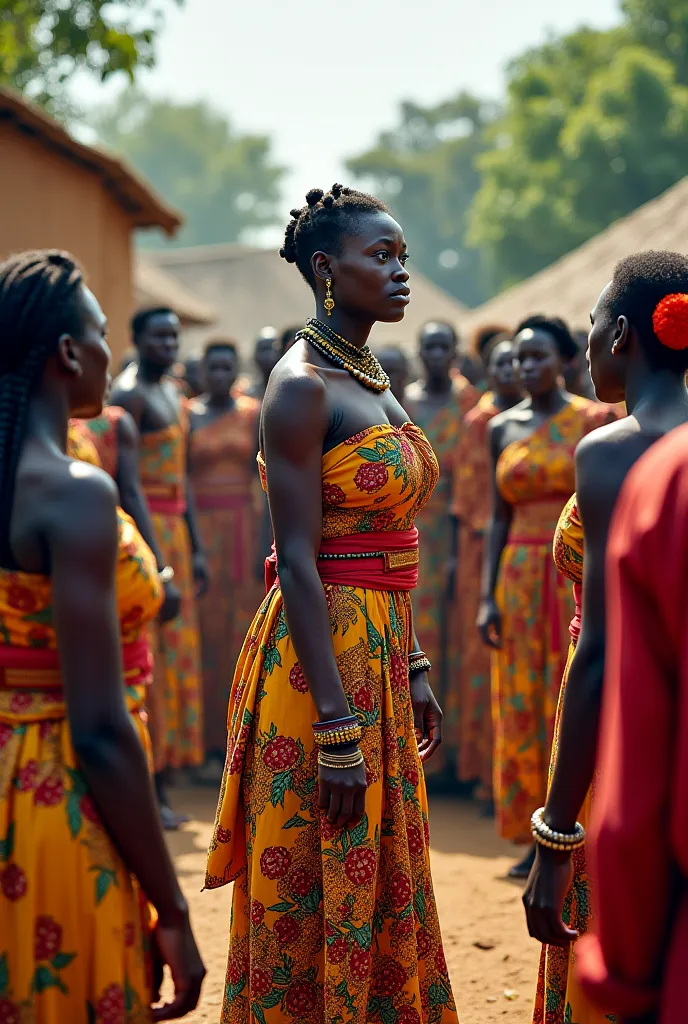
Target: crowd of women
x,y
413,529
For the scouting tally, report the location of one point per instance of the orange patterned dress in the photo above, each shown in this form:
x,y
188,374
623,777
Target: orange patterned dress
x,y
73,922
468,713
430,604
336,925
222,466
103,433
536,476
559,998
176,700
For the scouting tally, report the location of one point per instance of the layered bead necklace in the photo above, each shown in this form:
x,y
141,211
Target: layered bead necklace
x,y
359,362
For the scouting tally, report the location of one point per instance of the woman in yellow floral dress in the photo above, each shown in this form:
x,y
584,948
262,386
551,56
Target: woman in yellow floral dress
x,y
77,589
638,353
333,914
527,605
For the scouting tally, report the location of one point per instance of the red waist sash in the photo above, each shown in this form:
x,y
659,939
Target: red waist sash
x,y
386,560
165,499
39,667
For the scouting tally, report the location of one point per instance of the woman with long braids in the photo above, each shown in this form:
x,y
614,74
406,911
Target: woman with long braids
x,y
80,838
323,818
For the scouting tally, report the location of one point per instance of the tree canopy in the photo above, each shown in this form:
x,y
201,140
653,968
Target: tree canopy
x,y
225,183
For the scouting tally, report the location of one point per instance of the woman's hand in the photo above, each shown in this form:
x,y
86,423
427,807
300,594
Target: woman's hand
x,y
427,715
342,792
176,947
201,574
547,888
489,623
172,602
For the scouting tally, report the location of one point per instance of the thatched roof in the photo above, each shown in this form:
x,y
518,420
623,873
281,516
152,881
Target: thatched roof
x,y
569,288
251,288
135,195
155,287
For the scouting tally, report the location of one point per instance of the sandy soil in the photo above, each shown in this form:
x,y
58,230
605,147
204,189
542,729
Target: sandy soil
x,y
478,908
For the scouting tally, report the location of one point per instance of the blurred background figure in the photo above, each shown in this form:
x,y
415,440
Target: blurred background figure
x,y
437,402
266,353
482,344
287,339
577,377
223,471
192,375
468,707
394,362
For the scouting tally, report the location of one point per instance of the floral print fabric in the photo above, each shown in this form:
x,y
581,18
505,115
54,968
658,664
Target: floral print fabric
x,y
73,922
333,924
536,476
559,999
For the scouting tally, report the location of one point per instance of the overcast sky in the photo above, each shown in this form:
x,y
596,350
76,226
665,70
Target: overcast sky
x,y
324,77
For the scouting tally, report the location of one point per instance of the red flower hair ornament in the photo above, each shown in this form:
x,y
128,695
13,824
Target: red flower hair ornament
x,y
670,321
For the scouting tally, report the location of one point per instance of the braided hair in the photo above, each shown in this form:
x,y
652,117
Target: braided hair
x,y
38,304
321,224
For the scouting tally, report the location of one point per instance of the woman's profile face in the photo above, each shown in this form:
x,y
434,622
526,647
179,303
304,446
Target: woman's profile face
x,y
369,276
606,369
93,352
538,361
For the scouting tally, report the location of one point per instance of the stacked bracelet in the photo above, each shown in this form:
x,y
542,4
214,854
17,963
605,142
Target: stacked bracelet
x,y
337,731
418,661
328,759
546,836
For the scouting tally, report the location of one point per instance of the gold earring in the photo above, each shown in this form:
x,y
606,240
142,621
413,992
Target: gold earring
x,y
329,301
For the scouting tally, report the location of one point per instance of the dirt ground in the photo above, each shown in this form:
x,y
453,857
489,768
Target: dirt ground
x,y
492,961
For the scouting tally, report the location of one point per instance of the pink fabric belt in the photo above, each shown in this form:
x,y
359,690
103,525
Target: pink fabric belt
x,y
384,560
42,665
208,502
167,506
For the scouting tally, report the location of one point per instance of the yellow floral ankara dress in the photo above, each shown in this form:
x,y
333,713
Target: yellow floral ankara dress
x,y
335,925
559,999
73,921
536,476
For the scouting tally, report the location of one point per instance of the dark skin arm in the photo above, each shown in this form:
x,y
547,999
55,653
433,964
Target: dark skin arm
x,y
601,468
200,566
295,423
82,539
133,501
489,618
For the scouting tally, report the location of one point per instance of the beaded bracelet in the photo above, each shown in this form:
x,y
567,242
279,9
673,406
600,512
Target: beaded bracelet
x,y
337,731
330,760
547,837
420,663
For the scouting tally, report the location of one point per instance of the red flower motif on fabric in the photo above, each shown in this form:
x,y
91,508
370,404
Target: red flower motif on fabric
x,y
398,672
423,943
357,438
236,763
359,964
300,882
47,938
411,775
13,883
39,636
408,1015
275,861
87,808
382,520
360,865
235,971
20,702
333,495
440,961
222,834
371,477
389,977
281,754
302,998
6,734
403,928
287,929
132,618
9,1012
21,598
426,830
338,951
415,840
399,890
111,1007
363,699
50,792
28,773
297,679
257,913
261,981
328,831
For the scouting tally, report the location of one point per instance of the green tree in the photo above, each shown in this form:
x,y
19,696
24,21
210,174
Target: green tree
x,y
593,128
663,26
44,43
425,168
224,183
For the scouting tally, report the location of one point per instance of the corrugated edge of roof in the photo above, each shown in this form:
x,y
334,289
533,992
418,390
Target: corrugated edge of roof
x,y
146,208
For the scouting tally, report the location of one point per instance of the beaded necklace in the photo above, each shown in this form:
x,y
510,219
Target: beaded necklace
x,y
359,362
